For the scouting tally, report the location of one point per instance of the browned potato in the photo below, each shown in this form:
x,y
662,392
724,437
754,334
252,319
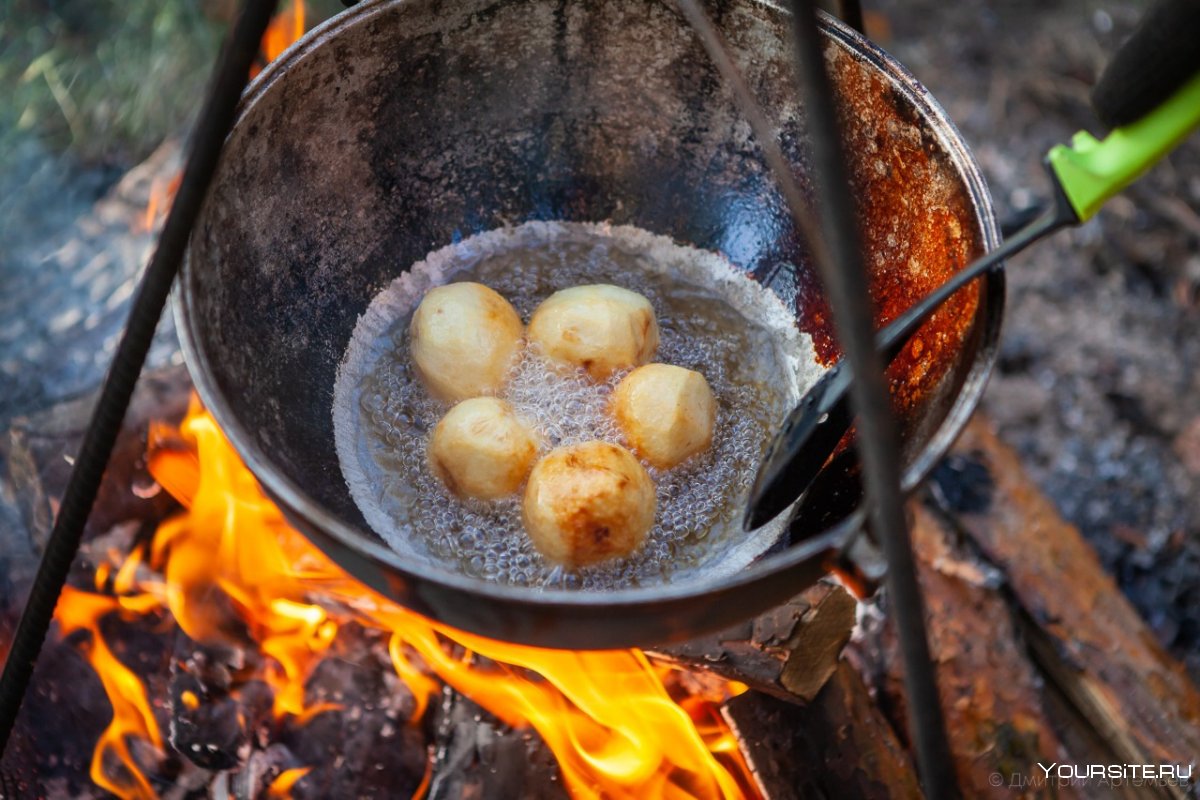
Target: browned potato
x,y
599,327
481,449
464,339
665,413
587,503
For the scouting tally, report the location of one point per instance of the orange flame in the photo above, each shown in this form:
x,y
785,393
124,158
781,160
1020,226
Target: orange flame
x,y
284,29
282,785
132,716
233,569
162,194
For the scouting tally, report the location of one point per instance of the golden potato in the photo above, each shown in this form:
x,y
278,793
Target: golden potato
x,y
599,327
481,449
464,339
665,413
588,502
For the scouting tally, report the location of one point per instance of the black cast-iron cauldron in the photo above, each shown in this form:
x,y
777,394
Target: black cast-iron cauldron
x,y
401,125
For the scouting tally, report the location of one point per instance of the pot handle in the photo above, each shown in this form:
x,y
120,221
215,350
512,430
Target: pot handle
x,y
1150,94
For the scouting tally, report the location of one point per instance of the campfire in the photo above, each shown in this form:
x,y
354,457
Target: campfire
x,y
205,648
230,574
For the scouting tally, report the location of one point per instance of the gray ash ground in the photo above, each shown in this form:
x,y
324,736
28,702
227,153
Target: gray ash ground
x,y
67,281
1097,385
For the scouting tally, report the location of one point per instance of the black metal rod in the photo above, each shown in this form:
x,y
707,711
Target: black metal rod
x,y
839,259
851,13
846,285
215,120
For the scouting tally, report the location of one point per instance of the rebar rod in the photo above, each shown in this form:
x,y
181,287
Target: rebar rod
x,y
212,127
836,250
878,440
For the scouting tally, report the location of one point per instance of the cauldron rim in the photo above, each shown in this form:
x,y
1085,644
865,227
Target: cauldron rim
x,y
545,616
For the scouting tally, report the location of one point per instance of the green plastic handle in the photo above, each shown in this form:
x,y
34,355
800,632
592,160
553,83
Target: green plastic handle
x,y
1091,171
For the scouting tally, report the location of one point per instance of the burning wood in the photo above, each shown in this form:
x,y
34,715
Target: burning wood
x,y
132,719
843,732
215,693
268,628
479,756
789,652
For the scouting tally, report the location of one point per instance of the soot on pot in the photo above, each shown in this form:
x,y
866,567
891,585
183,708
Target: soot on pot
x,y
712,319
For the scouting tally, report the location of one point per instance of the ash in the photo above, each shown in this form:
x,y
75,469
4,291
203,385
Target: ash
x,y
1097,384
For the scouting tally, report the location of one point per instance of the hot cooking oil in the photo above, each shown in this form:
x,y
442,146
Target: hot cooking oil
x,y
712,318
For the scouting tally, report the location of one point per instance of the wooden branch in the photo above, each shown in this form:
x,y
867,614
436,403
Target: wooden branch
x,y
990,692
1039,657
789,652
839,745
1086,636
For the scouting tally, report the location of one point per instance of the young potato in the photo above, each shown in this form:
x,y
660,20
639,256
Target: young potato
x,y
599,327
587,503
481,449
464,339
665,413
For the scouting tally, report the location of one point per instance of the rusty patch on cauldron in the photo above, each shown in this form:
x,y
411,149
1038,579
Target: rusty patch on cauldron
x,y
917,223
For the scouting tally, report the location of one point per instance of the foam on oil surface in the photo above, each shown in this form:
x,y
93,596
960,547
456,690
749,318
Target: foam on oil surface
x,y
712,319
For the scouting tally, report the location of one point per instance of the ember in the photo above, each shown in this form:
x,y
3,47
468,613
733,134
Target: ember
x,y
233,575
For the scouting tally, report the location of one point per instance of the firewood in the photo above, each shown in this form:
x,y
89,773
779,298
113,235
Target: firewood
x,y
789,652
1040,659
991,692
839,745
1084,634
479,757
38,451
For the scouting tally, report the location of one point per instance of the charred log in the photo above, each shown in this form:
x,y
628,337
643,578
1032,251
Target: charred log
x,y
358,738
477,757
788,652
215,723
366,744
838,746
